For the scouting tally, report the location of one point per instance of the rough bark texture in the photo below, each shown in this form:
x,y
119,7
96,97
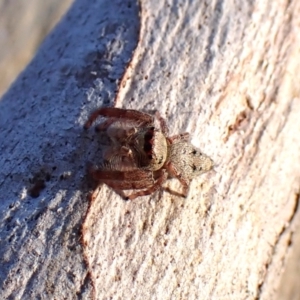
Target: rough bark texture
x,y
224,71
289,285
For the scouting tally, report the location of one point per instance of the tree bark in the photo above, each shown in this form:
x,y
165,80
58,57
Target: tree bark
x,y
225,72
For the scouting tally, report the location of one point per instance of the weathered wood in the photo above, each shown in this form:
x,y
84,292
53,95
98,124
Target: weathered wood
x,y
227,73
42,142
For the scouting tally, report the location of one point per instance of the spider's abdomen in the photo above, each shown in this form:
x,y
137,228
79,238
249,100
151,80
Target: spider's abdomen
x,y
188,160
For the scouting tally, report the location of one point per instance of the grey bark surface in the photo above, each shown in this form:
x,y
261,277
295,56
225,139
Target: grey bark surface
x,y
224,71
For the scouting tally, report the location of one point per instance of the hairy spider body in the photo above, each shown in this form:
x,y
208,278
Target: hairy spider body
x,y
142,155
148,147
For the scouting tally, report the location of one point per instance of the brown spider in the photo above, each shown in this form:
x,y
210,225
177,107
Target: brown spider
x,y
142,155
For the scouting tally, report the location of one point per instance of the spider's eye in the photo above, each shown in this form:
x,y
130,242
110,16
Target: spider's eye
x,y
194,167
160,160
194,152
147,147
148,141
149,134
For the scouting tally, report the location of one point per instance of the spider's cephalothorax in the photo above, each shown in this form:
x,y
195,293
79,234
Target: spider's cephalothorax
x,y
149,148
142,155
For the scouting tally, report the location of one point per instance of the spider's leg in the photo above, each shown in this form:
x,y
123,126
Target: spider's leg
x,y
133,177
116,190
174,193
163,124
119,113
179,137
129,185
151,189
128,180
104,125
173,172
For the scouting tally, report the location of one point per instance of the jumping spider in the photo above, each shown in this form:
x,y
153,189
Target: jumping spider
x,y
142,155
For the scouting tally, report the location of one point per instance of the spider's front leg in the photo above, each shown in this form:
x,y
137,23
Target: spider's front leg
x,y
118,132
119,113
104,125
